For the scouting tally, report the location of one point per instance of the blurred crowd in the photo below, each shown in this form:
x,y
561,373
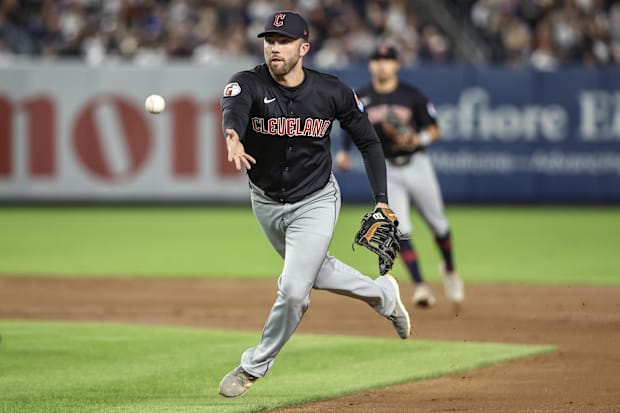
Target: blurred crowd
x,y
546,33
540,33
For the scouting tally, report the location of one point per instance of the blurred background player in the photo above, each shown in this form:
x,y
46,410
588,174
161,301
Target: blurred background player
x,y
406,124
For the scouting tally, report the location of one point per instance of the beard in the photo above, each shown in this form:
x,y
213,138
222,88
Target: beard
x,y
284,66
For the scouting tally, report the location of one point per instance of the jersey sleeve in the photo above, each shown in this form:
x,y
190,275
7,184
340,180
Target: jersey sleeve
x,y
354,120
236,103
424,112
345,141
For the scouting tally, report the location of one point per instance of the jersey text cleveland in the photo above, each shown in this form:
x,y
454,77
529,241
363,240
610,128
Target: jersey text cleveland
x,y
282,126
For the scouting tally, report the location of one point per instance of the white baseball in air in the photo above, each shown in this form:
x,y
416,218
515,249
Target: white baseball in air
x,y
155,104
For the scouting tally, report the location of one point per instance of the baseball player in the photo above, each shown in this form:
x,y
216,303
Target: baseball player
x,y
277,120
406,124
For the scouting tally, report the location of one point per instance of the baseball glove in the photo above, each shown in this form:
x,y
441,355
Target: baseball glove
x,y
379,233
402,137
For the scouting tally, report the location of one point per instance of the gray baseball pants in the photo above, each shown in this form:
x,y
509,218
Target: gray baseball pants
x,y
301,233
416,182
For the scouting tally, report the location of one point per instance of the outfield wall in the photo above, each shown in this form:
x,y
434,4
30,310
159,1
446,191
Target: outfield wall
x,y
523,136
70,132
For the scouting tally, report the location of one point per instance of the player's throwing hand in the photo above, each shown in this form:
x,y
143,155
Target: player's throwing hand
x,y
236,151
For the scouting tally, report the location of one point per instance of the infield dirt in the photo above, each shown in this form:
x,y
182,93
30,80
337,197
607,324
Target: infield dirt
x,y
583,375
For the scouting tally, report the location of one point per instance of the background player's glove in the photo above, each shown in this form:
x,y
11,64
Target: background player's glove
x,y
379,233
402,137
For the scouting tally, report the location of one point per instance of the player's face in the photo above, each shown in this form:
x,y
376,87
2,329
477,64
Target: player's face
x,y
283,54
383,69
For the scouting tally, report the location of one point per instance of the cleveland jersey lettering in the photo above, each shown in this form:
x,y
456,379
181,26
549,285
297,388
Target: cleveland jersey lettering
x,y
379,113
291,127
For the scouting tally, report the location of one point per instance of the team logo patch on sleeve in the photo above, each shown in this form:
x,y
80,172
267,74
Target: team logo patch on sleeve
x,y
359,103
232,89
430,108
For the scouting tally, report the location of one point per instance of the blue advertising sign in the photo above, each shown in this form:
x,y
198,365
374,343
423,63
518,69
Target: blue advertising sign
x,y
521,136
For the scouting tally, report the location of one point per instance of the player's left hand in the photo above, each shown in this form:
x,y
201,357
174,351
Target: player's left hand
x,y
236,151
379,233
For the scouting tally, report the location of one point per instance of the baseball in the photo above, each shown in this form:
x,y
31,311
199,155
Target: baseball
x,y
155,104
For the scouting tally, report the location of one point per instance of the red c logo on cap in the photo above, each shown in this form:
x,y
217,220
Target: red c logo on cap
x,y
278,21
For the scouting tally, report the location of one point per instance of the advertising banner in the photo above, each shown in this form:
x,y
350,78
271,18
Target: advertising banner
x,y
69,132
519,135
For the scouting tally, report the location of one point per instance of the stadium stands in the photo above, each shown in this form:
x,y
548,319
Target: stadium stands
x,y
538,33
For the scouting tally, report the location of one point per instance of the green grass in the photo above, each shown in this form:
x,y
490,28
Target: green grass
x,y
528,244
61,367
525,244
58,367
133,241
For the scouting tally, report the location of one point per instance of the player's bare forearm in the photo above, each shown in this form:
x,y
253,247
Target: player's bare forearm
x,y
236,151
412,140
433,130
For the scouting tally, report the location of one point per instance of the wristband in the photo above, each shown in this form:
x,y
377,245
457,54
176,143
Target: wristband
x,y
424,138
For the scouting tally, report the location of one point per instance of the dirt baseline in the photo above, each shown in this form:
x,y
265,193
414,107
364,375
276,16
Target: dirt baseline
x,y
583,375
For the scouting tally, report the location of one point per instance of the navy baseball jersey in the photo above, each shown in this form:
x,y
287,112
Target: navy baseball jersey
x,y
407,103
287,131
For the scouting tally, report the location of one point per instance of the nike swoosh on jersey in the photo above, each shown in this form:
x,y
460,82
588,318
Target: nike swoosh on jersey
x,y
267,100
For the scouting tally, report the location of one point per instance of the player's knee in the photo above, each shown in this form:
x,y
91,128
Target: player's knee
x,y
441,230
297,301
295,297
